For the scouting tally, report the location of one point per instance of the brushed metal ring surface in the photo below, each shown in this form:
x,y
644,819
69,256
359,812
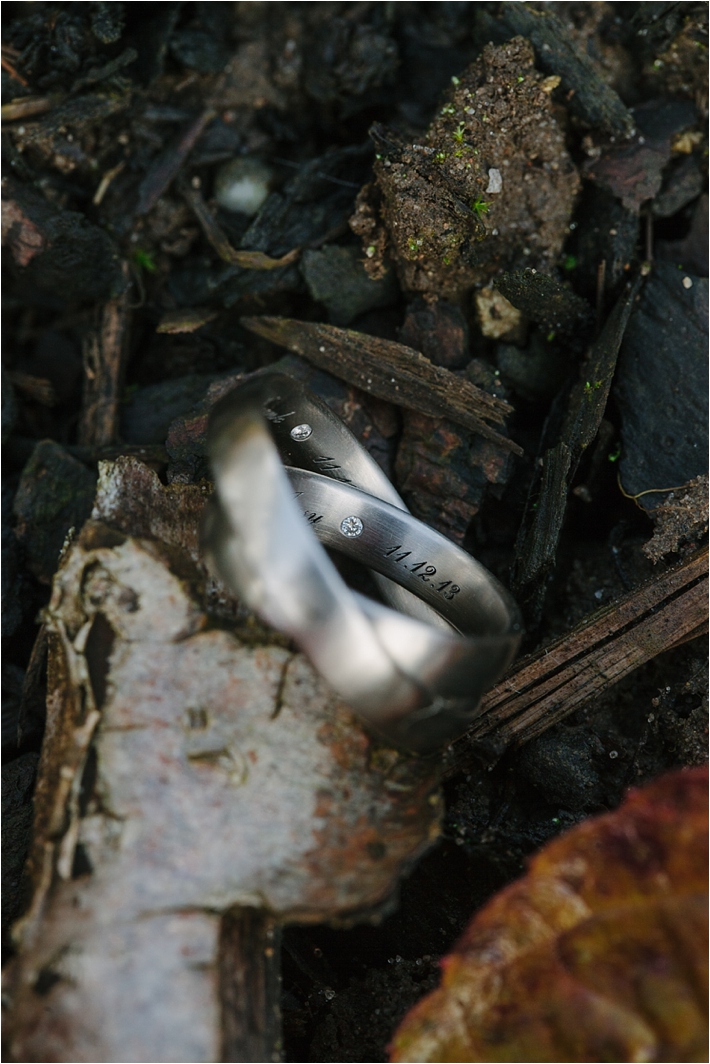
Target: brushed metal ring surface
x,y
289,477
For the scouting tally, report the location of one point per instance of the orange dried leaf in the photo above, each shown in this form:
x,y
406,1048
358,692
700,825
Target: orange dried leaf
x,y
599,953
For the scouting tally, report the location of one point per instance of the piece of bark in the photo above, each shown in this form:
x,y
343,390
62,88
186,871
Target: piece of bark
x,y
54,495
540,530
245,258
390,371
605,647
58,251
444,474
594,100
105,350
250,983
159,178
184,774
32,710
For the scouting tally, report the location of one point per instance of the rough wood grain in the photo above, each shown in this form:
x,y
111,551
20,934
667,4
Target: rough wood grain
x,y
390,371
104,352
250,985
540,530
552,683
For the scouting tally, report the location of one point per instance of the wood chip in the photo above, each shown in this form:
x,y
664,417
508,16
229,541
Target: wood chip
x,y
185,321
605,647
390,371
246,258
540,530
157,180
105,350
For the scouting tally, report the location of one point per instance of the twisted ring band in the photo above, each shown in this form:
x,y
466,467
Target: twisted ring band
x,y
415,675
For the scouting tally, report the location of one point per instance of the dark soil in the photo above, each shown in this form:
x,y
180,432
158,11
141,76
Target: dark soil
x,y
143,103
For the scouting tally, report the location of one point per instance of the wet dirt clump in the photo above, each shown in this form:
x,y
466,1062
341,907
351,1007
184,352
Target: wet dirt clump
x,y
489,185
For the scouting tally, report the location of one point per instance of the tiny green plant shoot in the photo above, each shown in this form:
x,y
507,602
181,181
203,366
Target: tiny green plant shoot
x,y
144,260
479,206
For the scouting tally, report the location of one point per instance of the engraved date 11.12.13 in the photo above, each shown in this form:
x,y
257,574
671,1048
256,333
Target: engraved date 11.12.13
x,y
422,570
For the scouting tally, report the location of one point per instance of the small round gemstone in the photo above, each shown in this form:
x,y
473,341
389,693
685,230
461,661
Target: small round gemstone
x,y
301,432
351,527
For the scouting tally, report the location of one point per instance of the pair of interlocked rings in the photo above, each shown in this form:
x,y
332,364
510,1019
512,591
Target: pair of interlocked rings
x,y
291,478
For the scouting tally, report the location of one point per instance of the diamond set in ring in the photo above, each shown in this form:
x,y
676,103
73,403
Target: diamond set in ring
x,y
301,432
351,527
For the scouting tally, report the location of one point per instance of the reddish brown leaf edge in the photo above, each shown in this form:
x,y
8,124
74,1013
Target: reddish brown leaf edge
x,y
599,953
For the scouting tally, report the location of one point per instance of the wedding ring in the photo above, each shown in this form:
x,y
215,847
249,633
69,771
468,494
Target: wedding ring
x,y
290,477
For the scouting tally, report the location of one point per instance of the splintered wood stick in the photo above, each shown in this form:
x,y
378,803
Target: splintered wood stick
x,y
104,352
390,371
608,645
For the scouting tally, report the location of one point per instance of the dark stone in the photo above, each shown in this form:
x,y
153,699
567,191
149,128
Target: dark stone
x,y
563,766
12,582
662,385
606,232
318,199
315,203
690,252
348,58
12,680
148,416
59,252
199,51
544,300
634,171
18,778
107,21
684,181
439,330
55,494
9,407
57,359
336,277
536,372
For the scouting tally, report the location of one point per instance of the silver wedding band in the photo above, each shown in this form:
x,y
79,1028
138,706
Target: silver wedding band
x,y
290,478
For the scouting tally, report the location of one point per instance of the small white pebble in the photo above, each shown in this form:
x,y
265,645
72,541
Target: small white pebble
x,y
242,185
613,754
495,181
598,595
687,282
